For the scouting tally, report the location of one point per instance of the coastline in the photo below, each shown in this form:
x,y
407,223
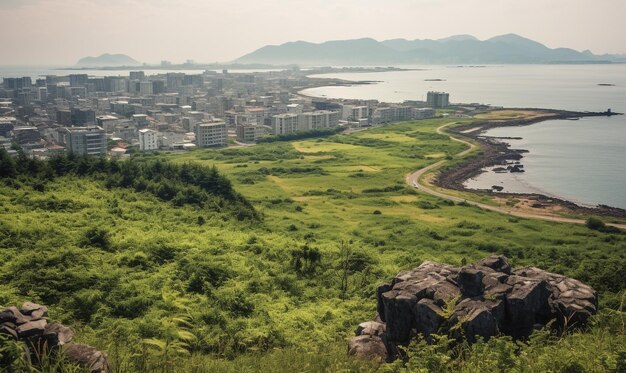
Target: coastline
x,y
496,152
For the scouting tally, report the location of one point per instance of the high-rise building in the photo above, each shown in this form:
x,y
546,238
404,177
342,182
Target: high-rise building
x,y
158,86
148,140
115,84
85,140
145,88
80,116
137,75
438,99
211,134
64,117
78,80
17,83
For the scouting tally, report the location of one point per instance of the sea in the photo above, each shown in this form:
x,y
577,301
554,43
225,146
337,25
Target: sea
x,y
583,161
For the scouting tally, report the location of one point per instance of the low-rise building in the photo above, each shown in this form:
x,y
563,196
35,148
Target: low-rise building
x,y
148,140
250,132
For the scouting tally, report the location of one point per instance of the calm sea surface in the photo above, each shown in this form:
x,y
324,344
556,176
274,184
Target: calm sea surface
x,y
583,161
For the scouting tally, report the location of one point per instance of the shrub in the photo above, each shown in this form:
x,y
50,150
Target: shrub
x,y
96,237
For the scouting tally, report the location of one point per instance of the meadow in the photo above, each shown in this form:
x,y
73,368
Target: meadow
x,y
191,287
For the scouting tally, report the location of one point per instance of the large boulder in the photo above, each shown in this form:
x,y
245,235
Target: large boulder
x,y
367,346
570,301
371,328
483,299
87,357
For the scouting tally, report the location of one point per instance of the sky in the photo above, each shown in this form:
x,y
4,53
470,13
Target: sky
x,y
59,32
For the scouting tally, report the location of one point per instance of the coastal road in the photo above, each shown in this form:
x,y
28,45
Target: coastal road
x,y
413,179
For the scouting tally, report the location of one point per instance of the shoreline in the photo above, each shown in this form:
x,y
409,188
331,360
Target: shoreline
x,y
496,152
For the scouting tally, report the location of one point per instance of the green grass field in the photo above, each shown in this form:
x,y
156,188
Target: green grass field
x,y
252,299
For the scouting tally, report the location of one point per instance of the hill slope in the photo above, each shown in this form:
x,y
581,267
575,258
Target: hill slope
x,y
509,48
107,60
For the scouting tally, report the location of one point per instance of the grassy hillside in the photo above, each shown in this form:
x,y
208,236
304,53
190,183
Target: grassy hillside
x,y
195,286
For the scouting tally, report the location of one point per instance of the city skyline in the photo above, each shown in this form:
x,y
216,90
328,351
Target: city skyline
x,y
59,32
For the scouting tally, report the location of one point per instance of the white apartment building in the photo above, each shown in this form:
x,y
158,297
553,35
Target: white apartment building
x,y
148,140
284,123
211,134
354,113
314,120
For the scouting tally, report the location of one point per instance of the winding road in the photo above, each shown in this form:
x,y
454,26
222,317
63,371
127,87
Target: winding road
x,y
413,179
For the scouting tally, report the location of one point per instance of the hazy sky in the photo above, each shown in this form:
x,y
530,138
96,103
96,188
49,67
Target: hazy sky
x,y
57,32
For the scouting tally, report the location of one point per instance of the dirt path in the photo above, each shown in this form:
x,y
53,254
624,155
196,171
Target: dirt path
x,y
413,179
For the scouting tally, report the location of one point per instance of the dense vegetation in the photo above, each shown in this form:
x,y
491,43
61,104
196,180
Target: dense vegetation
x,y
301,135
181,184
205,284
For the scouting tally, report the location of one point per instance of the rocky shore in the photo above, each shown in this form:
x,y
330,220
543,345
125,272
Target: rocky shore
x,y
495,152
485,299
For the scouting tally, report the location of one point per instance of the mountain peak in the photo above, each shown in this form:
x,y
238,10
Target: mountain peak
x,y
462,37
107,59
457,49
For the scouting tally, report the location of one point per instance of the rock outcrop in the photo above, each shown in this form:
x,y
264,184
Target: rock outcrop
x,y
29,324
484,299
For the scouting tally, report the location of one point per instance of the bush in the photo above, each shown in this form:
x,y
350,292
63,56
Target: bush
x,y
96,237
595,224
598,225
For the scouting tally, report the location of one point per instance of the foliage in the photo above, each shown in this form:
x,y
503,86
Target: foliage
x,y
301,135
135,250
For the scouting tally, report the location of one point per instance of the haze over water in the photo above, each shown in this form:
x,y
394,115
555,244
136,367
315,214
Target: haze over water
x,y
582,161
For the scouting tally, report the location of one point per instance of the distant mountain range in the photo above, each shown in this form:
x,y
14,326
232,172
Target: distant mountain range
x,y
107,60
458,49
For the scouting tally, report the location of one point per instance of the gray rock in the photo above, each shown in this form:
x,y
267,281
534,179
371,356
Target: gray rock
x,y
478,318
87,357
371,328
487,298
12,314
571,301
34,309
367,346
9,329
399,315
59,333
527,300
428,317
470,281
380,306
31,328
498,263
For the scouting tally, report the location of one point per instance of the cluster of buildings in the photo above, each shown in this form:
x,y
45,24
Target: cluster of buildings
x,y
178,111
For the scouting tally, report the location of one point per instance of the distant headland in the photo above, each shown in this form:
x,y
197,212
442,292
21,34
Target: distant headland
x,y
106,60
